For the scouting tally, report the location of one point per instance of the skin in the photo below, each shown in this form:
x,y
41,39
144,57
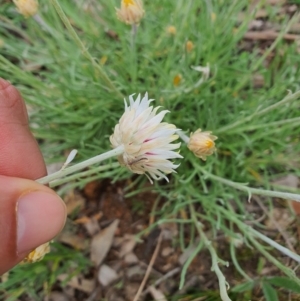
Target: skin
x,y
30,214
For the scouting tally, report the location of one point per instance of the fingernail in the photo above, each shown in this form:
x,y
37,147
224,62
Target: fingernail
x,y
40,216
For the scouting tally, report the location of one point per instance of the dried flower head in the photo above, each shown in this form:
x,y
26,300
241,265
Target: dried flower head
x,y
38,253
131,11
202,144
27,8
146,140
171,30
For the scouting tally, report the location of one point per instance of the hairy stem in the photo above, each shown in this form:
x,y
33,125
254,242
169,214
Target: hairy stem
x,y
83,174
250,233
214,257
64,172
250,190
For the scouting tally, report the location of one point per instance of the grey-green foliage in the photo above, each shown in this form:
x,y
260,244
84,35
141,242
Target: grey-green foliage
x,y
73,108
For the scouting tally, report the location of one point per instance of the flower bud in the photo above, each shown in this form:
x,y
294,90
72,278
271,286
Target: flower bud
x,y
202,144
131,11
189,46
171,30
27,8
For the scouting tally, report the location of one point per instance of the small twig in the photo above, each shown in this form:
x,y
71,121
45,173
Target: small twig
x,y
269,35
258,220
148,271
162,279
280,230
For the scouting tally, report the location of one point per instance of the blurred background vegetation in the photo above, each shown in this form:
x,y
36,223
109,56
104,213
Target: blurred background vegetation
x,y
72,105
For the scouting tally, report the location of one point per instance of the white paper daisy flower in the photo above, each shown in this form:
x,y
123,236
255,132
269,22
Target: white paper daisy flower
x,y
147,141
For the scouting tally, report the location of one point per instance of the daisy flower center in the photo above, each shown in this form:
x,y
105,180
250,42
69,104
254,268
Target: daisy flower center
x,y
209,143
128,2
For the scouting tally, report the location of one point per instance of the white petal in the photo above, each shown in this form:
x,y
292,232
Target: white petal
x,y
146,139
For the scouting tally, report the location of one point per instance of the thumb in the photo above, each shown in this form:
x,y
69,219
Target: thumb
x,y
30,215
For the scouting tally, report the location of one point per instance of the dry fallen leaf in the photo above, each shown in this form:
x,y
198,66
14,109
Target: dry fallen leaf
x,y
106,275
293,182
283,218
127,245
74,201
90,223
135,271
167,251
102,242
92,226
72,239
57,296
131,289
289,180
156,294
130,258
170,231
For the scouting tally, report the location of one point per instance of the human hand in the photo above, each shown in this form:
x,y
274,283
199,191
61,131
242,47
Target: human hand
x,y
30,213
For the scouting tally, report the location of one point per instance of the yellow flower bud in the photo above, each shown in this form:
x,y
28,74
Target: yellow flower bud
x,y
177,80
171,30
202,144
27,8
131,11
189,46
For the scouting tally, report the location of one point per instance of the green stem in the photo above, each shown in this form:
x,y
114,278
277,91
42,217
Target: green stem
x,y
236,263
250,232
275,245
83,174
287,99
41,22
133,52
290,273
64,172
85,52
214,257
183,137
189,261
250,190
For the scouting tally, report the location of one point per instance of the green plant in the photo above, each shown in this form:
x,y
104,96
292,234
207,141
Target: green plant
x,y
73,74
